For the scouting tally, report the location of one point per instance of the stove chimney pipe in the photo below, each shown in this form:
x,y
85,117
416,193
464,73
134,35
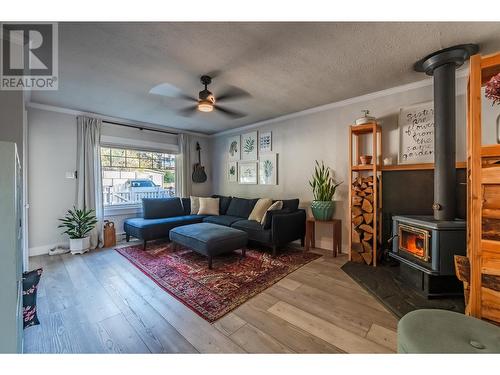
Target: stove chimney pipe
x,y
442,65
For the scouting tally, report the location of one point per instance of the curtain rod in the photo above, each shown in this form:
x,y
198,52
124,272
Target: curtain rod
x,y
139,127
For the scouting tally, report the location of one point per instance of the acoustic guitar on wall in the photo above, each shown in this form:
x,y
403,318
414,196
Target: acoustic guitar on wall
x,y
199,174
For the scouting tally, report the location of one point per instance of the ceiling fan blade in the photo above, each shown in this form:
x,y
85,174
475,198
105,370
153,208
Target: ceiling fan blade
x,y
188,111
233,93
167,89
214,73
229,112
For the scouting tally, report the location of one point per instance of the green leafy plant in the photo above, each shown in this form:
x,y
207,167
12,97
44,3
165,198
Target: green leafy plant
x,y
232,170
249,145
168,177
78,223
323,183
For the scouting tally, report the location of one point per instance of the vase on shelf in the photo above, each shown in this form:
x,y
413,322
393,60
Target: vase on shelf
x,y
323,210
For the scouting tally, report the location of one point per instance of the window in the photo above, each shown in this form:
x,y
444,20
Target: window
x,y
130,175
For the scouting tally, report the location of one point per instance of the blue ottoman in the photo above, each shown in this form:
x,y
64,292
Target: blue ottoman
x,y
442,331
210,239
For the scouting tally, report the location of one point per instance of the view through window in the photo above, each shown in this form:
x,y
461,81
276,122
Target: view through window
x,y
130,175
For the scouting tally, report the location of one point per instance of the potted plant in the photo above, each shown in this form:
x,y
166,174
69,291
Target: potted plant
x,y
78,223
324,187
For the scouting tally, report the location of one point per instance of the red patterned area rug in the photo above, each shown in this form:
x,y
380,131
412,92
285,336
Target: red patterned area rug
x,y
213,293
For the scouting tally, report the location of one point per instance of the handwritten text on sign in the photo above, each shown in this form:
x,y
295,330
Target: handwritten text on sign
x,y
416,134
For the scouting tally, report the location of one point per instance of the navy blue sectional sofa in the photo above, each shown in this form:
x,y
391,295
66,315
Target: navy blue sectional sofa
x,y
161,215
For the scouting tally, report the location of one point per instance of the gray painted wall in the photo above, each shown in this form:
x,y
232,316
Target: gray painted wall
x,y
323,135
52,146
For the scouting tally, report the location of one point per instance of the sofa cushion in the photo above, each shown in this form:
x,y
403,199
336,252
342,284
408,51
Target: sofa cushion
x,y
260,208
209,206
278,205
223,203
291,204
195,205
254,230
142,223
221,220
155,208
241,207
152,229
186,205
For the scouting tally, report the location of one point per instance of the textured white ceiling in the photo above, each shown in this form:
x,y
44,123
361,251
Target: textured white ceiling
x,y
109,68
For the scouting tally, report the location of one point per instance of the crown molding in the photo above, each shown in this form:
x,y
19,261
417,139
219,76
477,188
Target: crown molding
x,y
74,112
462,73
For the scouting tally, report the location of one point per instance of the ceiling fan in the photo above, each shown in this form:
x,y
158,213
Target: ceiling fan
x,y
206,102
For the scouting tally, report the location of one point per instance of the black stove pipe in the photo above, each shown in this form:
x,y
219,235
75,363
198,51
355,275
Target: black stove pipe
x,y
442,65
445,175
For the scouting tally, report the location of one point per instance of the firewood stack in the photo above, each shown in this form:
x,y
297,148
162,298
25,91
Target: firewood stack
x,y
362,219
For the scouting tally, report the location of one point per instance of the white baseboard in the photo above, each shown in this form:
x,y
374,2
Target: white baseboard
x,y
42,250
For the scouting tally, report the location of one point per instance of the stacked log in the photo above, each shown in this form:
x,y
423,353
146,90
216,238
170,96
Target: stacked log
x,y
362,222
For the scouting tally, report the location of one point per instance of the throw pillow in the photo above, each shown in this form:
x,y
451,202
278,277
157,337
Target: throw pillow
x,y
260,208
195,205
30,285
278,205
209,206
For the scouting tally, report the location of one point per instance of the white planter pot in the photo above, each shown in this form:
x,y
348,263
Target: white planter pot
x,y
79,245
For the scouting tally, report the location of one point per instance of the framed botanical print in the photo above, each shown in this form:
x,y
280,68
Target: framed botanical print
x,y
265,142
268,169
249,146
233,148
247,173
232,171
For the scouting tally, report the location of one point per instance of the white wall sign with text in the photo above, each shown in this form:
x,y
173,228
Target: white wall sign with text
x,y
416,134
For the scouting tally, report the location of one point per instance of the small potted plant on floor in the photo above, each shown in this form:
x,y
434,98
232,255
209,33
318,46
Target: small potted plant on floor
x,y
78,224
324,187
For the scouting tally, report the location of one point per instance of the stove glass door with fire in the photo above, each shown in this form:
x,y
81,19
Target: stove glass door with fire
x,y
414,241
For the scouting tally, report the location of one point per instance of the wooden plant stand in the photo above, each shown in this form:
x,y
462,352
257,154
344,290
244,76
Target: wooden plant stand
x,y
365,182
483,198
336,232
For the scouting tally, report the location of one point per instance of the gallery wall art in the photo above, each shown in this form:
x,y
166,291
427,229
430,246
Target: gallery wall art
x,y
265,142
232,171
233,148
250,160
247,173
268,169
249,146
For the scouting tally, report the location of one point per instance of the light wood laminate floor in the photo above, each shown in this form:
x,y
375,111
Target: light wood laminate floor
x,y
100,303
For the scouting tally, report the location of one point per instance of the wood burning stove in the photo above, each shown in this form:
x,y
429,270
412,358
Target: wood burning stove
x,y
426,245
425,248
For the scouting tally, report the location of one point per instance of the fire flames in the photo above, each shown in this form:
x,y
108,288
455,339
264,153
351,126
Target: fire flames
x,y
414,243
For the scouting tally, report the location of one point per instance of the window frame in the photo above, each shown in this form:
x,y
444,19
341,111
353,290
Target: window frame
x,y
131,208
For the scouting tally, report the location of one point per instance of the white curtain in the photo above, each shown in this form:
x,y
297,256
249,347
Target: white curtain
x,y
183,167
89,183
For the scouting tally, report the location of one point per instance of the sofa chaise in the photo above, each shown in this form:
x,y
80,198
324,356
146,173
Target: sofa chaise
x,y
163,214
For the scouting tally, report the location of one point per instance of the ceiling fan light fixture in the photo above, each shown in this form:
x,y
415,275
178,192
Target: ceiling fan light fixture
x,y
205,106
